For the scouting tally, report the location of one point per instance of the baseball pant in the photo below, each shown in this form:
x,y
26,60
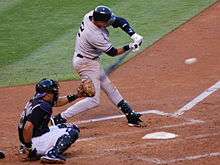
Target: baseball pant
x,y
47,141
92,69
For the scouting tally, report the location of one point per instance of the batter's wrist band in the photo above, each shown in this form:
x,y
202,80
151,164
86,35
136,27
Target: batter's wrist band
x,y
71,98
126,47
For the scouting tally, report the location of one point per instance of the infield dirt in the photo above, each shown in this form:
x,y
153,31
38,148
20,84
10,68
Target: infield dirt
x,y
157,79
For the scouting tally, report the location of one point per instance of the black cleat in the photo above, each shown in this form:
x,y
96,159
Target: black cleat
x,y
135,123
134,119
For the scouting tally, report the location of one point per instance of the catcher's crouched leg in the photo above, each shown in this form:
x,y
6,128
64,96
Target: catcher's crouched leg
x,y
63,143
132,117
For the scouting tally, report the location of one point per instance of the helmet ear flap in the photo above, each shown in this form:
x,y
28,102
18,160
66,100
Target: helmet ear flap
x,y
39,88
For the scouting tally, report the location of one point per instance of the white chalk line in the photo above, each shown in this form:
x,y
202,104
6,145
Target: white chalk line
x,y
146,144
152,160
157,112
118,116
198,99
140,131
186,158
189,122
110,151
178,113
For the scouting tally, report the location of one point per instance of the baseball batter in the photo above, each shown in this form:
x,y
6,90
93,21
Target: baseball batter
x,y
37,139
92,40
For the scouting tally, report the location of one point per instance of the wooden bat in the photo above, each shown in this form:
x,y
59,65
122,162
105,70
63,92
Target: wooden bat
x,y
115,65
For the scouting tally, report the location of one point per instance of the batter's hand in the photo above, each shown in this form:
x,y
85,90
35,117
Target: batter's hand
x,y
86,89
137,39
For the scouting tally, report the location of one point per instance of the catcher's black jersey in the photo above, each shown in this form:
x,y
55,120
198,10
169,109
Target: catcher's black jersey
x,y
38,112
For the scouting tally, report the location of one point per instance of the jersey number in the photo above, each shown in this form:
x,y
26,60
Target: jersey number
x,y
81,28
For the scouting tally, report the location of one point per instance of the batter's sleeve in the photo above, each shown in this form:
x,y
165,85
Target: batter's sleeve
x,y
123,24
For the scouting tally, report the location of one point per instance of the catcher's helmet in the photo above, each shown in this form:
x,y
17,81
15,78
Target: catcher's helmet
x,y
102,13
45,86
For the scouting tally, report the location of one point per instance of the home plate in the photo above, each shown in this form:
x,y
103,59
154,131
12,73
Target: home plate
x,y
160,135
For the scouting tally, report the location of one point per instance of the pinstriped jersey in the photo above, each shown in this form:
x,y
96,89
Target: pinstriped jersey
x,y
91,41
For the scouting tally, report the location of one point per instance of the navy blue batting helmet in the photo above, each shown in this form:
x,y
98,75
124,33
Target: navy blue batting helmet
x,y
102,13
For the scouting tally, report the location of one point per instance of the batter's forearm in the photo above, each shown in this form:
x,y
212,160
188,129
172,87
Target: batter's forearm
x,y
114,52
120,51
123,50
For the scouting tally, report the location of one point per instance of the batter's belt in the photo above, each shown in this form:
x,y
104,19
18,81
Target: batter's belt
x,y
81,56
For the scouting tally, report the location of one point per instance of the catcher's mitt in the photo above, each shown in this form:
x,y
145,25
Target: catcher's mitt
x,y
86,89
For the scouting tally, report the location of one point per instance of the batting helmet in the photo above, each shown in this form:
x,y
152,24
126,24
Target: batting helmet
x,y
102,13
45,86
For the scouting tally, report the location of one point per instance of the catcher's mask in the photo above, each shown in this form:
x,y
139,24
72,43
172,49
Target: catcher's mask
x,y
45,86
103,13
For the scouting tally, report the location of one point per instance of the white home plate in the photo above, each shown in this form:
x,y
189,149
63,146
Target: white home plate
x,y
160,135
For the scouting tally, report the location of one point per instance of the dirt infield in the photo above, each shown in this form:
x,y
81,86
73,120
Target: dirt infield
x,y
157,82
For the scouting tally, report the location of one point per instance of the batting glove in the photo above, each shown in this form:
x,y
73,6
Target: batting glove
x,y
134,47
137,39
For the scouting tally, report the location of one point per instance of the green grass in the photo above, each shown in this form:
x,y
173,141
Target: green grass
x,y
37,37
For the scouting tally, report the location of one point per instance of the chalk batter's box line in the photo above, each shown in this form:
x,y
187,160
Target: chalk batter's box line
x,y
106,152
142,130
198,99
176,114
158,161
156,112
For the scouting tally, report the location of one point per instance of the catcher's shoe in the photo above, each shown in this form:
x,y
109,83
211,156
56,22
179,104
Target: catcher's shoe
x,y
50,158
58,119
2,155
134,119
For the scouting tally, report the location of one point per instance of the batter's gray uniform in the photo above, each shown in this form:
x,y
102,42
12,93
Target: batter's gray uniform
x,y
91,42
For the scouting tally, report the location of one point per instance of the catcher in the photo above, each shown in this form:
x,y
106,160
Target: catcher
x,y
37,139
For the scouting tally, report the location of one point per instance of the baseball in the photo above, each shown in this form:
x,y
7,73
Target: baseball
x,y
190,60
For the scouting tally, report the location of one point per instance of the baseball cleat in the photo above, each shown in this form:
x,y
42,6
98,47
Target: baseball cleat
x,y
133,119
49,158
135,123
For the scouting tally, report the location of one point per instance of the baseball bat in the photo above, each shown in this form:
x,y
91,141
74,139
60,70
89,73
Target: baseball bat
x,y
115,65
